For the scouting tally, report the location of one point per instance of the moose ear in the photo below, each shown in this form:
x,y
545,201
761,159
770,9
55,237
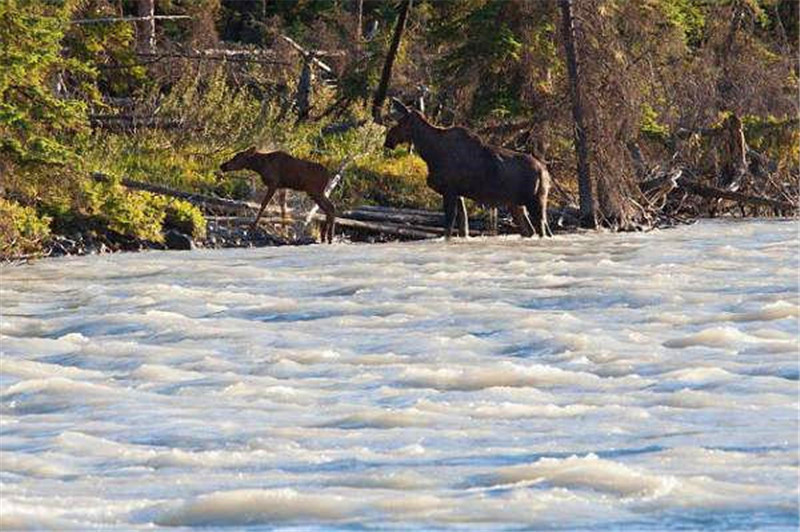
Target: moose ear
x,y
399,107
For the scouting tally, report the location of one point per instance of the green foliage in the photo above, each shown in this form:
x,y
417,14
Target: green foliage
x,y
106,45
212,110
398,180
687,16
650,125
22,230
778,139
186,218
134,214
482,38
238,187
37,125
501,52
152,156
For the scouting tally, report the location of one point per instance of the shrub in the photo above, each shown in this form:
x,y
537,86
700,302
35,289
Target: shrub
x,y
134,214
22,230
186,218
396,181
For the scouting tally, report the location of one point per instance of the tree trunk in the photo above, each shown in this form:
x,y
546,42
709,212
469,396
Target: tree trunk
x,y
303,96
147,28
734,164
359,19
587,204
383,86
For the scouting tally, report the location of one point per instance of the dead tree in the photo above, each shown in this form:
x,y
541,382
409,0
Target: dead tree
x,y
383,86
359,18
734,152
587,204
147,27
303,96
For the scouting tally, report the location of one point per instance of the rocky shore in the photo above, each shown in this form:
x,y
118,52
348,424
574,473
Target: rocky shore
x,y
93,242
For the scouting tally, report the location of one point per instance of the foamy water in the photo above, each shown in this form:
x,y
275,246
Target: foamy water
x,y
639,381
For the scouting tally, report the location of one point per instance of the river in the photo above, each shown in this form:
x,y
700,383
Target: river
x,y
593,381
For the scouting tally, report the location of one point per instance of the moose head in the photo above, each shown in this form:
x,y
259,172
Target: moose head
x,y
400,133
238,161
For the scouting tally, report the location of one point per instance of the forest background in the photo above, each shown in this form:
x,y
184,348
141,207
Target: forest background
x,y
100,86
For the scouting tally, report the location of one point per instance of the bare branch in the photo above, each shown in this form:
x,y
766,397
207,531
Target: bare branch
x,y
103,20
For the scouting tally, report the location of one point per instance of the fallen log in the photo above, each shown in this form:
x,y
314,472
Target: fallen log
x,y
407,223
394,217
233,56
200,200
312,56
398,210
373,227
247,220
416,218
433,220
715,193
386,228
669,181
103,20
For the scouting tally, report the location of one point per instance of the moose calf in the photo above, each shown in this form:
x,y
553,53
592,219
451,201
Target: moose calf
x,y
279,170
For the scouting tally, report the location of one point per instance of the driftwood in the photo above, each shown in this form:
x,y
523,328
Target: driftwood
x,y
684,133
667,182
244,211
430,222
210,203
390,221
657,184
312,55
385,228
407,216
274,219
263,57
712,192
103,20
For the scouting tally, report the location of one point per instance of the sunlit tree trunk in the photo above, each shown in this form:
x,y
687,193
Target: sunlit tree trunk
x,y
147,28
588,212
359,17
383,86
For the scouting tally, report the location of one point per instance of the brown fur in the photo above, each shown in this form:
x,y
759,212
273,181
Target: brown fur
x,y
461,164
279,170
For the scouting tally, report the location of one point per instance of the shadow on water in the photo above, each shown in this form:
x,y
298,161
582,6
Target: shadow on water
x,y
708,520
355,464
576,302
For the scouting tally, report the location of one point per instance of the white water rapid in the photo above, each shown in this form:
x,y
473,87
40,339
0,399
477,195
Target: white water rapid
x,y
598,382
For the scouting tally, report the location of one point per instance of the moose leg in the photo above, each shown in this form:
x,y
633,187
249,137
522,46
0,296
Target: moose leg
x,y
522,220
543,206
267,198
449,202
330,217
282,202
493,221
535,210
462,218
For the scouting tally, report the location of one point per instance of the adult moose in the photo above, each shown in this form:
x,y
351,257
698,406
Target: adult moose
x,y
279,170
461,164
